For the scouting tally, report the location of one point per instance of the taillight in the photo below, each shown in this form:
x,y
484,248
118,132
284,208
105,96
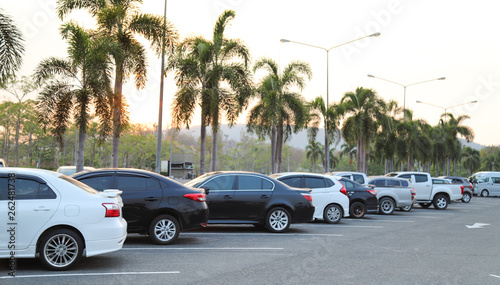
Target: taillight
x,y
196,197
307,196
112,210
373,192
462,187
413,193
343,190
470,186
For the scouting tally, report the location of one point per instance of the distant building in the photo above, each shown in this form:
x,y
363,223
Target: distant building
x,y
182,165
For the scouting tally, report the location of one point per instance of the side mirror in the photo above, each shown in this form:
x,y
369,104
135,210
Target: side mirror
x,y
206,188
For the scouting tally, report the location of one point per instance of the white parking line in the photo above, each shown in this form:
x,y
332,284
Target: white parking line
x,y
370,227
204,248
260,234
90,274
494,276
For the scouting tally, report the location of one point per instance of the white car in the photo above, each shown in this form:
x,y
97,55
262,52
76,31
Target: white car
x,y
329,195
57,218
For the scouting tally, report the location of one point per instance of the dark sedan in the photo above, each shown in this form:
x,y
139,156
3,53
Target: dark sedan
x,y
153,204
362,199
253,198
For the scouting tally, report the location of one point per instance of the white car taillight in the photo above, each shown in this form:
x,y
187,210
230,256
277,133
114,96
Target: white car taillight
x,y
112,210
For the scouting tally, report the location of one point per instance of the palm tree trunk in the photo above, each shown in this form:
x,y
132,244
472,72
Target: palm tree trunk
x,y
214,148
82,135
358,155
279,147
273,149
203,135
117,113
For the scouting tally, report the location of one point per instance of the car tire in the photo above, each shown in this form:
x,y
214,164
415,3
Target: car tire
x,y
60,249
485,193
466,197
332,214
164,230
406,208
278,220
386,206
357,210
440,202
425,205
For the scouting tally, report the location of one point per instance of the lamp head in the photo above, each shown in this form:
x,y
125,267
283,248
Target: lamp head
x,y
369,75
475,101
441,78
284,41
419,101
375,35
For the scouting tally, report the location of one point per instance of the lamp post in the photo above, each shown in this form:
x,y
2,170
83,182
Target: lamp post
x,y
327,147
160,112
404,98
446,108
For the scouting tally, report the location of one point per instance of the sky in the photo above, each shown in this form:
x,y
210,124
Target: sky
x,y
420,41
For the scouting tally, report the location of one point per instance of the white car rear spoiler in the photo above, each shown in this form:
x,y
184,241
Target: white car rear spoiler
x,y
111,193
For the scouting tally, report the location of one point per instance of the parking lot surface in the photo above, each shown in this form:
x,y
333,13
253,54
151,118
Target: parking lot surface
x,y
424,246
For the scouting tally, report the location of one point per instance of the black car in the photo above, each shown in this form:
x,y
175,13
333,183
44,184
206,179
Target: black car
x,y
153,204
465,182
253,198
362,199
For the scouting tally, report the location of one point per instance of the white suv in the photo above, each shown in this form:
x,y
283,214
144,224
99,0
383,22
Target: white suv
x,y
56,217
329,195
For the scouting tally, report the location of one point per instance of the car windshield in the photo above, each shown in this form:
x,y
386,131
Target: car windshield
x,y
197,181
392,174
79,184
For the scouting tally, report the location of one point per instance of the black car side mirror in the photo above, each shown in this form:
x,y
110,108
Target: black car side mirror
x,y
207,189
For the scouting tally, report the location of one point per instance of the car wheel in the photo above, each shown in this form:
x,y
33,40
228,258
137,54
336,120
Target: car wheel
x,y
164,229
425,205
60,249
386,206
332,214
440,202
278,220
357,210
406,208
466,197
485,193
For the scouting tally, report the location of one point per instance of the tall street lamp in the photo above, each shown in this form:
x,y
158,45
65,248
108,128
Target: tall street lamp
x,y
327,147
404,98
160,112
446,108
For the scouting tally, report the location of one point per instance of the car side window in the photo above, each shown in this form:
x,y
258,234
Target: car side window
x,y
495,179
378,182
348,185
99,183
224,182
404,183
314,182
131,183
358,178
421,178
329,183
27,189
152,184
248,182
407,176
487,179
292,181
392,182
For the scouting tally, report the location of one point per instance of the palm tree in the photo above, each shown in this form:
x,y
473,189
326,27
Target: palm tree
x,y
210,73
314,152
470,159
279,111
334,159
388,142
73,85
350,151
319,112
452,128
417,141
360,127
120,21
11,47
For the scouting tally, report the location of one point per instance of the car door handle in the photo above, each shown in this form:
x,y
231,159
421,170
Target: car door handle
x,y
228,197
151,199
42,209
264,197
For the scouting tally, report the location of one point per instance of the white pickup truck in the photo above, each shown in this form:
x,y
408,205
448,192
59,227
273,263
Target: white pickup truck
x,y
432,191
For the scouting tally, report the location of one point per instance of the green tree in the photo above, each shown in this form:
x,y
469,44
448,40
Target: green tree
x,y
362,108
417,141
348,150
318,112
314,152
11,48
470,159
121,22
279,110
453,127
74,85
